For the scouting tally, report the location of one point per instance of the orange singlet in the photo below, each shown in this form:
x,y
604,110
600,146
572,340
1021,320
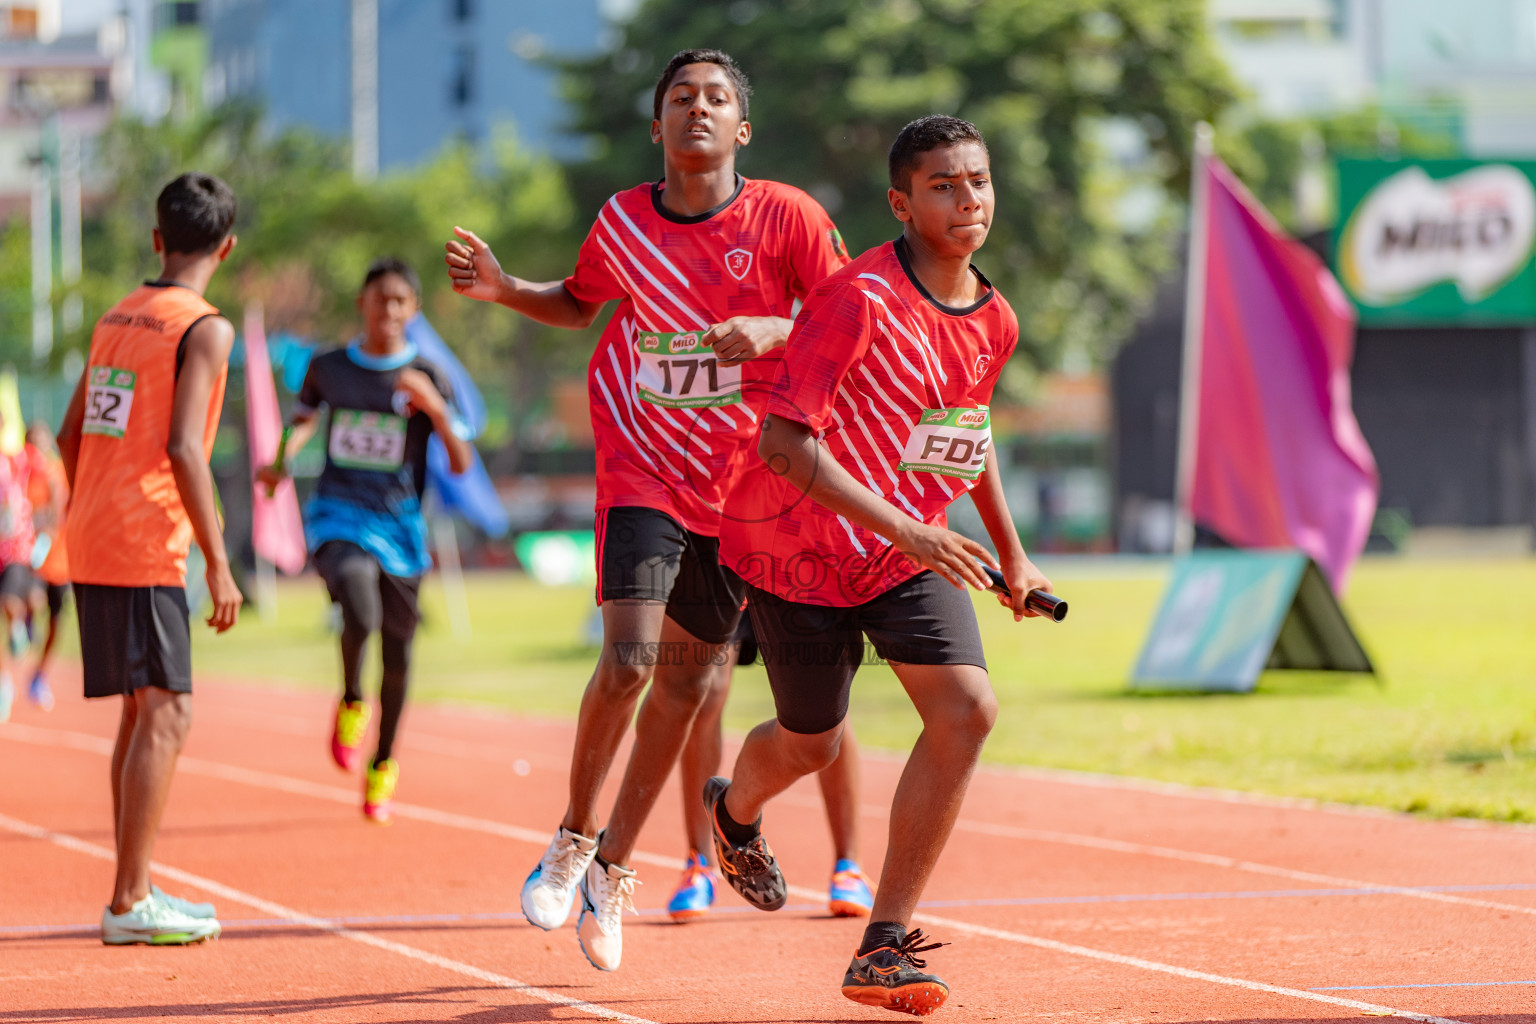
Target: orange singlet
x,y
48,472
127,526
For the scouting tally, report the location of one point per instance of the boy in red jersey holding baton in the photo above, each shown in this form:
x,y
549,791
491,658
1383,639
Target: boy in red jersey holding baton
x,y
707,267
878,421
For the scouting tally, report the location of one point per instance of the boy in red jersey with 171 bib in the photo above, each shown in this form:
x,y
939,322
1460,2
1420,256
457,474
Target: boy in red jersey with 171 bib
x,y
707,267
878,421
135,443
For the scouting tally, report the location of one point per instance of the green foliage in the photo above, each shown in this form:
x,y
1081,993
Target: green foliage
x,y
1272,155
308,231
834,80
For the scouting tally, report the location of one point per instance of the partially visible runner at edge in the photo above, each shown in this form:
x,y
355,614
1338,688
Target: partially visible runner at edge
x,y
135,442
49,493
364,524
878,421
707,267
19,473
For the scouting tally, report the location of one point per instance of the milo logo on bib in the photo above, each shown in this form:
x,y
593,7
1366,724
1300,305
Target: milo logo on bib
x,y
681,372
953,442
108,401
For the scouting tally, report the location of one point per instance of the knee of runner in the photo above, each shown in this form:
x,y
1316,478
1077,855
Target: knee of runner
x,y
812,751
622,678
971,715
170,720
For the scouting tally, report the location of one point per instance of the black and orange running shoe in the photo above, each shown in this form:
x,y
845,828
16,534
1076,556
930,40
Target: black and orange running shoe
x,y
750,869
893,978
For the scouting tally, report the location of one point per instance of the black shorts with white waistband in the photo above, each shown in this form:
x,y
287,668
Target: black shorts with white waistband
x,y
812,651
643,554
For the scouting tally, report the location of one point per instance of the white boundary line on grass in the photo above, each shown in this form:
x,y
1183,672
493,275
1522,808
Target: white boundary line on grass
x,y
277,910
334,794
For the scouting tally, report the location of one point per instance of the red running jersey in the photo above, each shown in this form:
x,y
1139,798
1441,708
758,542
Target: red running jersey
x,y
670,423
897,387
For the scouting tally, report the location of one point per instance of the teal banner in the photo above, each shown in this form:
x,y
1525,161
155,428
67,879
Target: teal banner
x,y
1229,615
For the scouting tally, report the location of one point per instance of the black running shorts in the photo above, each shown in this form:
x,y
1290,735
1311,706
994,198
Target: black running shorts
x,y
131,637
16,581
646,555
58,594
812,651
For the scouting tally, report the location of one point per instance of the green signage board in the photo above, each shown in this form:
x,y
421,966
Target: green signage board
x,y
1436,242
1228,615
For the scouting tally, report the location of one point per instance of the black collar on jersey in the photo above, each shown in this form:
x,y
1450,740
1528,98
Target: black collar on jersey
x,y
162,283
906,266
697,218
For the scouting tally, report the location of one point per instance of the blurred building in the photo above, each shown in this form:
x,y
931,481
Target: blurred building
x,y
446,68
1467,69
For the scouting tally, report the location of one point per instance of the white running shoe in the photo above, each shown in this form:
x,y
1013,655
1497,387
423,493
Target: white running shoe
x,y
607,890
156,922
203,911
7,697
550,890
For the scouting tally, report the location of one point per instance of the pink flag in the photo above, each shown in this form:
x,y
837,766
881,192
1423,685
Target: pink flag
x,y
277,533
1280,460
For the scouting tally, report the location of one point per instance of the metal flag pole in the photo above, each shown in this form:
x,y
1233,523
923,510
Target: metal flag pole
x,y
1194,330
365,89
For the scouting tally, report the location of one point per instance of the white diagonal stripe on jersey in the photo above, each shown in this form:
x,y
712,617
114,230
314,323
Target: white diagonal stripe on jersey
x,y
618,418
893,376
869,479
656,415
922,339
924,374
896,440
919,340
660,256
665,321
875,455
730,420
699,322
852,536
624,385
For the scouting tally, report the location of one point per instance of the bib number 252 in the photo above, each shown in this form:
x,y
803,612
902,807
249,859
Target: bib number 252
x,y
679,371
108,401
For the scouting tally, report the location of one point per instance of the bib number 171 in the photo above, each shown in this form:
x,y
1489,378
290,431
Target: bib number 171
x,y
679,371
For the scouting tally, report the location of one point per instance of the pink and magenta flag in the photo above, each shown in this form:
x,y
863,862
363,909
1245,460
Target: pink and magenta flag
x,y
1280,460
277,532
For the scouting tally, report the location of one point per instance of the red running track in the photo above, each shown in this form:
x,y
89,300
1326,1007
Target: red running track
x,y
1067,898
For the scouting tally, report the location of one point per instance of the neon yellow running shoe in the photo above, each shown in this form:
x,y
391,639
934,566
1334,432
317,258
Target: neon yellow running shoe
x,y
347,736
380,792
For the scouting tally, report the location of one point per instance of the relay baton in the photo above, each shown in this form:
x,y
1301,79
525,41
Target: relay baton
x,y
281,458
1048,605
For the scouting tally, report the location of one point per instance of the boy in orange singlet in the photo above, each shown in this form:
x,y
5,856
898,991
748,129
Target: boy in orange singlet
x,y
135,443
49,494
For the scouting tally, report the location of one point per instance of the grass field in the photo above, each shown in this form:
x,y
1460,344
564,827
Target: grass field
x,y
1449,729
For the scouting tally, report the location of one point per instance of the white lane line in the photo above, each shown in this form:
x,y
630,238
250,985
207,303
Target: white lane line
x,y
1039,835
337,795
277,910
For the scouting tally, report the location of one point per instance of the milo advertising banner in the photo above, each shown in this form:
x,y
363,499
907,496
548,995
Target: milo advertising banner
x,y
1425,242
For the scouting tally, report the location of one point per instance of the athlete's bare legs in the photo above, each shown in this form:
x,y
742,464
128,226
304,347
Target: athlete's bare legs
x,y
630,631
701,758
682,685
153,730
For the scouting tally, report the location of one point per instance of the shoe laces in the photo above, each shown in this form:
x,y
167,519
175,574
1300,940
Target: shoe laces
x,y
849,879
754,858
560,861
618,896
694,871
910,947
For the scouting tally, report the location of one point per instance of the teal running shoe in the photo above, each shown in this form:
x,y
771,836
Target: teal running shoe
x,y
850,894
695,892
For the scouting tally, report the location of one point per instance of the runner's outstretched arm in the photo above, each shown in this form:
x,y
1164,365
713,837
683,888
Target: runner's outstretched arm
x,y
792,451
69,431
426,399
1018,571
208,344
300,429
477,274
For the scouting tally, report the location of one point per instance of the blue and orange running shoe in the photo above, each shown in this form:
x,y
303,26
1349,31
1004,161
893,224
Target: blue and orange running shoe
x,y
850,894
695,892
893,978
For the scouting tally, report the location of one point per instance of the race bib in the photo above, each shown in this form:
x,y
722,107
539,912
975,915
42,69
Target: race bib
x,y
108,400
953,442
367,440
680,371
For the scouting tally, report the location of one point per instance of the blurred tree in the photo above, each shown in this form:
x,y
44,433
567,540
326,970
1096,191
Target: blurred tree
x,y
1088,106
1288,163
308,231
